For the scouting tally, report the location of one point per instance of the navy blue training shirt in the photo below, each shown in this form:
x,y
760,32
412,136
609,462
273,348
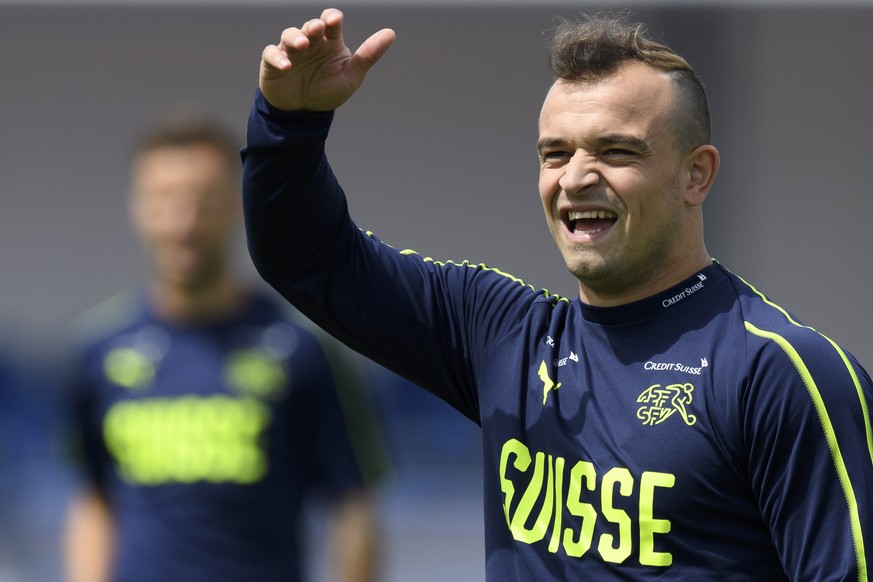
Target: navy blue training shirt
x,y
699,434
207,439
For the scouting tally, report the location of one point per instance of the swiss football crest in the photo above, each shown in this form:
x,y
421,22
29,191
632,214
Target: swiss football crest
x,y
661,402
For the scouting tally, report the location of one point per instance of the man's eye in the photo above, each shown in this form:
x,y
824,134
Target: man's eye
x,y
618,153
555,156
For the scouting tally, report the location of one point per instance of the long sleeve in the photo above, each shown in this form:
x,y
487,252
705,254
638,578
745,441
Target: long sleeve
x,y
809,463
408,313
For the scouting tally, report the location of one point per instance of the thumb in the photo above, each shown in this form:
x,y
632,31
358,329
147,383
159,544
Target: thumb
x,y
371,50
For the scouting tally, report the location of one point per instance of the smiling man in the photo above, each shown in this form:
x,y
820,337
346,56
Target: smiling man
x,y
619,179
670,422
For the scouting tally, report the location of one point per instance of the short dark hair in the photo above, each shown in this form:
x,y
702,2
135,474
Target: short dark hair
x,y
185,130
595,46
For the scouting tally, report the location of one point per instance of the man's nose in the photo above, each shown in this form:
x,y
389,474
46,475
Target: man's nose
x,y
580,173
182,220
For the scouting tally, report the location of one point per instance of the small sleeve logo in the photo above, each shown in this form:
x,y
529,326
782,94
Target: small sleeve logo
x,y
254,372
129,368
548,383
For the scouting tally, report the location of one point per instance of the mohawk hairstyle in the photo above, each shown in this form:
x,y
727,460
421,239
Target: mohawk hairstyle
x,y
595,46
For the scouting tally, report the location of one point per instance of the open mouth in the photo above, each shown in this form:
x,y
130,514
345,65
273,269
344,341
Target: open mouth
x,y
589,222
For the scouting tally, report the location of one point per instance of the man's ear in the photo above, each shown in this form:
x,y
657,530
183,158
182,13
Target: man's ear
x,y
702,166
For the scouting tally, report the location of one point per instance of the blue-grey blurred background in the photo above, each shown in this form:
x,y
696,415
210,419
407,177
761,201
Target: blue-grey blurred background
x,y
437,153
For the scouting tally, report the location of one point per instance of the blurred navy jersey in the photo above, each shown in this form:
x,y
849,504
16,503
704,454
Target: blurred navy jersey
x,y
207,439
699,434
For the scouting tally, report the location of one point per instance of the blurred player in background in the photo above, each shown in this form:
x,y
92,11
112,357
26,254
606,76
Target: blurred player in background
x,y
209,415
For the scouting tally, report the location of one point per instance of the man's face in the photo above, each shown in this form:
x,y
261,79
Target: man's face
x,y
185,207
612,182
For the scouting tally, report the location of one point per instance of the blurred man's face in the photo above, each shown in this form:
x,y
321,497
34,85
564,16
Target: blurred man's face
x,y
185,207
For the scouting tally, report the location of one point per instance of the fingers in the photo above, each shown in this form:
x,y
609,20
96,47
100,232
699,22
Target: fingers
x,y
328,72
329,26
275,58
333,21
293,40
298,39
370,51
373,49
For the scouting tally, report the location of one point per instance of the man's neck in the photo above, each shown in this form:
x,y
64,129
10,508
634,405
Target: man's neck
x,y
177,304
623,296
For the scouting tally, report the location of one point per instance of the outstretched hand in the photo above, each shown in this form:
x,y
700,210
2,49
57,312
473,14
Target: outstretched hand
x,y
312,69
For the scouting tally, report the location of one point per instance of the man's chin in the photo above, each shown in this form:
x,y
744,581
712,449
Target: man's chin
x,y
187,276
588,269
188,282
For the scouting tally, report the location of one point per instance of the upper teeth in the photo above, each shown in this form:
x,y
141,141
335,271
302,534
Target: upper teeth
x,y
576,215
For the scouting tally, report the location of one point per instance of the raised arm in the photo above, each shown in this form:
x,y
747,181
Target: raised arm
x,y
311,68
408,313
